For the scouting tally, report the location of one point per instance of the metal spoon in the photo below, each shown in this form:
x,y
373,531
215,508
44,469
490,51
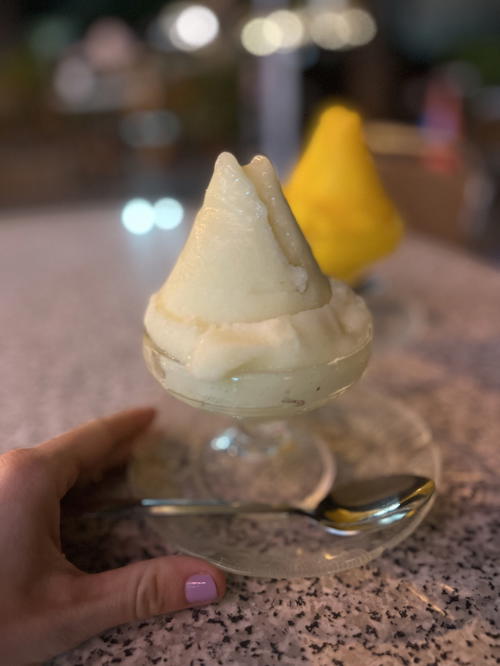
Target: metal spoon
x,y
358,506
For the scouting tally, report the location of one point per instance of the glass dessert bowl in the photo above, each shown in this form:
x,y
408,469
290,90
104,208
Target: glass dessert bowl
x,y
255,341
246,325
260,395
266,452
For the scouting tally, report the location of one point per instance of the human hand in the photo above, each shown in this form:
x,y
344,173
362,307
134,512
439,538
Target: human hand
x,y
47,605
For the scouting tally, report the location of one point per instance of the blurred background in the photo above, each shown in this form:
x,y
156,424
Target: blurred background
x,y
119,101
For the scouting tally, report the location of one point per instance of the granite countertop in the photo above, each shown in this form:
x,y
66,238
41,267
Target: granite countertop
x,y
74,288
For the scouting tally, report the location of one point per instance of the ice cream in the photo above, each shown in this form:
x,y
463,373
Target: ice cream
x,y
339,200
246,295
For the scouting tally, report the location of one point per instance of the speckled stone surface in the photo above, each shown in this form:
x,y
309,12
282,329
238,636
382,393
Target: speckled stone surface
x,y
73,291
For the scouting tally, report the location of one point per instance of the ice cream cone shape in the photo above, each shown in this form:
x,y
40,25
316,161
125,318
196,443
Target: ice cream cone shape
x,y
338,199
246,294
246,259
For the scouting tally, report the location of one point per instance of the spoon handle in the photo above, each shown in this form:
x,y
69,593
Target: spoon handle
x,y
186,507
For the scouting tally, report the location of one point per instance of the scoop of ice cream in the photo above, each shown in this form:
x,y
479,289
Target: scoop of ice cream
x,y
338,198
246,258
246,294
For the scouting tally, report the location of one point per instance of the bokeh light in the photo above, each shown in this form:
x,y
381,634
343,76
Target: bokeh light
x,y
138,216
362,27
110,44
330,30
74,80
261,36
194,27
291,26
168,213
336,29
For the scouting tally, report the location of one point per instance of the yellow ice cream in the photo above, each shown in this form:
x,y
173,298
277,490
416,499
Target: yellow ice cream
x,y
338,200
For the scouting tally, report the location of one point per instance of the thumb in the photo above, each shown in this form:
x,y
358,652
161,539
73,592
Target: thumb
x,y
145,589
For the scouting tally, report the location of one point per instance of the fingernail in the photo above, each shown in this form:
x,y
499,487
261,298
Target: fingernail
x,y
200,588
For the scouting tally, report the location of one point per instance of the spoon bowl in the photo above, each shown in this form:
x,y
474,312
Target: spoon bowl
x,y
371,504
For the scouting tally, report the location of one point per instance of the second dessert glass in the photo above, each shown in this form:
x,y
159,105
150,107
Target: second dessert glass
x,y
261,449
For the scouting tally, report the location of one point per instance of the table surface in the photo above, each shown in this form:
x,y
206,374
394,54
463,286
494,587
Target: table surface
x,y
74,287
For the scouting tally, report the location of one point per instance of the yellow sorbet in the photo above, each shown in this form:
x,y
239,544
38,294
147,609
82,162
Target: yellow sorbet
x,y
338,199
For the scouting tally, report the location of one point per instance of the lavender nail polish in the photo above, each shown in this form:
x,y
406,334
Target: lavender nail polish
x,y
200,588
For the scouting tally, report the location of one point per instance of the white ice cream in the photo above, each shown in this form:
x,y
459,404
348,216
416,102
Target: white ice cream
x,y
246,294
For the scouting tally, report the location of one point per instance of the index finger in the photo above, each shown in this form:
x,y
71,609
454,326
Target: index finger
x,y
94,447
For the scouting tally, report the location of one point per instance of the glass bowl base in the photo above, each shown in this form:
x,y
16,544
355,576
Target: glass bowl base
x,y
275,461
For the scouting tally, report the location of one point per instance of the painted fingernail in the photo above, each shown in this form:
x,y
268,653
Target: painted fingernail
x,y
200,588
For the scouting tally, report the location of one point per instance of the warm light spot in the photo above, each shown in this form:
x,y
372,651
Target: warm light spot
x,y
362,28
330,30
291,27
342,28
261,36
138,216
